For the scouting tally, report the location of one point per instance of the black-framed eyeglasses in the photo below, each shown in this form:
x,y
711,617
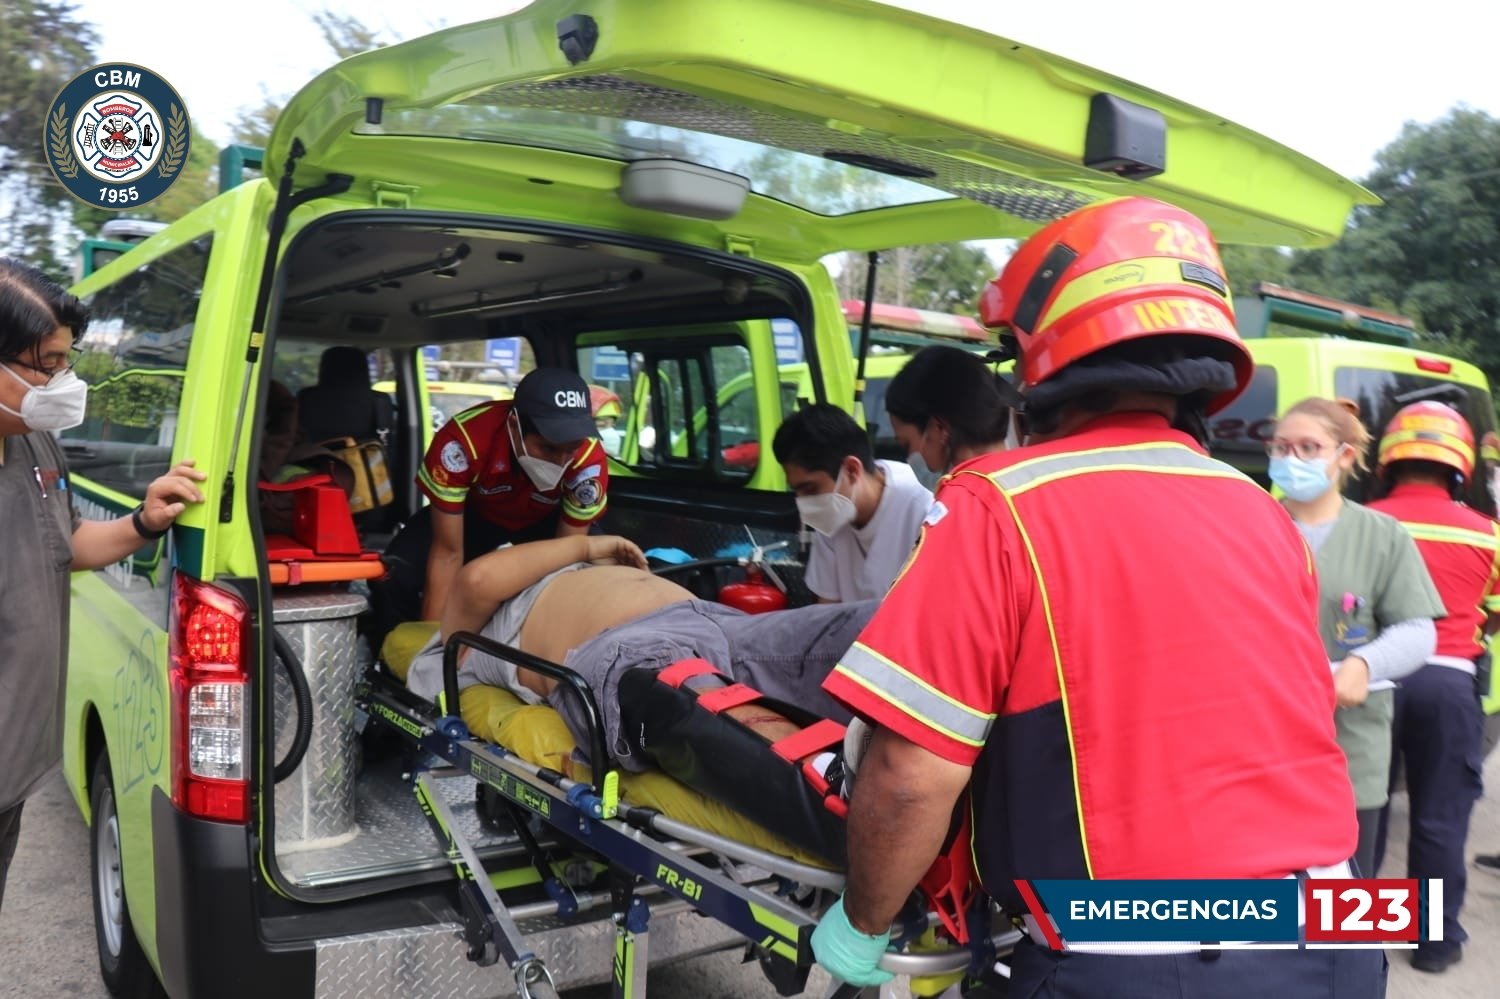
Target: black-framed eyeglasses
x,y
70,359
1307,450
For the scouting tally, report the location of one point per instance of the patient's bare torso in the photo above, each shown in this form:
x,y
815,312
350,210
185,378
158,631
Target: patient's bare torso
x,y
576,606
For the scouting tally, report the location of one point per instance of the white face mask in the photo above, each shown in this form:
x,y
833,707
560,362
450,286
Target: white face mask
x,y
58,405
542,473
827,513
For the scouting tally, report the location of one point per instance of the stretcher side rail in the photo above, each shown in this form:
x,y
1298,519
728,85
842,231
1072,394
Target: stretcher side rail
x,y
629,837
604,774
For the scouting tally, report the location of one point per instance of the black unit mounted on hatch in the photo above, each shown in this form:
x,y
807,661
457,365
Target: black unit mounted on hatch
x,y
1125,138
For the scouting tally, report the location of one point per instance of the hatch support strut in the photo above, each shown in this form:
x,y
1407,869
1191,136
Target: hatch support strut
x,y
873,262
286,202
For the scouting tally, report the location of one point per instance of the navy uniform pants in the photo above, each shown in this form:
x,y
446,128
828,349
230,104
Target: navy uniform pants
x,y
1040,973
1438,735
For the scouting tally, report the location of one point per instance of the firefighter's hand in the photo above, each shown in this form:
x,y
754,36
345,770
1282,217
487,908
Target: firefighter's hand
x,y
609,549
169,495
849,955
1351,682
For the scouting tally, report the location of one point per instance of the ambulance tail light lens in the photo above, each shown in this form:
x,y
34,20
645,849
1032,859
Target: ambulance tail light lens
x,y
1434,365
210,714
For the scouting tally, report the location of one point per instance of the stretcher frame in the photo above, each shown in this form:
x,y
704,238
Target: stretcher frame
x,y
640,847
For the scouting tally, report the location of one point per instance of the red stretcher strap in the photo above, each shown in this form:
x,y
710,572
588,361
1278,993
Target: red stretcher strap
x,y
724,698
817,736
679,672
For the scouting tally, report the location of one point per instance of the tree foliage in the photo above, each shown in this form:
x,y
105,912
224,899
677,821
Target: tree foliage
x,y
944,277
43,45
1431,250
1247,266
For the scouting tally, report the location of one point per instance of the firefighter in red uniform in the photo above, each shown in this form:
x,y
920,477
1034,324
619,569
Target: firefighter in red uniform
x,y
1427,454
1107,636
522,469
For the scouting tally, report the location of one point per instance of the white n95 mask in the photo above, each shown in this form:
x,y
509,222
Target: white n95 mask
x,y
542,473
58,405
827,513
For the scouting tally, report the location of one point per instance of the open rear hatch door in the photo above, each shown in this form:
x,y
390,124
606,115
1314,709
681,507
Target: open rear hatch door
x,y
859,126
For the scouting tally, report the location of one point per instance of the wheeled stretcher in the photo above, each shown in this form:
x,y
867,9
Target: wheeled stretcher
x,y
771,897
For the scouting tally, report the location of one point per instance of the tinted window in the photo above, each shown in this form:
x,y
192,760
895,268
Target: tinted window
x,y
1381,393
1238,434
134,358
878,423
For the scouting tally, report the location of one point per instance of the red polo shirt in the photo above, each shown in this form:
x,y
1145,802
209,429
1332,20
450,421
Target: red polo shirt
x,y
1119,634
1462,550
470,468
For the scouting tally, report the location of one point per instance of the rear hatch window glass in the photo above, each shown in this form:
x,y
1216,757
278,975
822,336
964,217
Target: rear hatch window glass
x,y
1381,393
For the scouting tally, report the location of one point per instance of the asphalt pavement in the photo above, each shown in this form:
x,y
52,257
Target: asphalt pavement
x,y
47,945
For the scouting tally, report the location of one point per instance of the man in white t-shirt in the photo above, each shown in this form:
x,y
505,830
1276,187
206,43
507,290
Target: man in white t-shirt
x,y
865,514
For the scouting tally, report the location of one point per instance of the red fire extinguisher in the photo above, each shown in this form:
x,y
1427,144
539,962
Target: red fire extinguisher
x,y
755,595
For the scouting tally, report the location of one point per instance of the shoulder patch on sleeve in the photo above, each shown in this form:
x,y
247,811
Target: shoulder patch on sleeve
x,y
587,493
935,513
581,476
453,458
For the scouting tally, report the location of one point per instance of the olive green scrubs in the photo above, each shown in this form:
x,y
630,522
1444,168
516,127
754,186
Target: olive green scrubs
x,y
1370,576
38,550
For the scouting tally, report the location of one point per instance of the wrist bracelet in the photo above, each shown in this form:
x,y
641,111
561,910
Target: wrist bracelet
x,y
139,523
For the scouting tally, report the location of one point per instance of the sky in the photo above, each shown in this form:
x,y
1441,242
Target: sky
x,y
1332,79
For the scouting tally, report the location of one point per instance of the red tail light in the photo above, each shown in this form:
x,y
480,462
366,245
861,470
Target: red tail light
x,y
210,710
1434,365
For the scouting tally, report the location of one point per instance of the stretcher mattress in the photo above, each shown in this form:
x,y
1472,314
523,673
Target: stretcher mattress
x,y
538,735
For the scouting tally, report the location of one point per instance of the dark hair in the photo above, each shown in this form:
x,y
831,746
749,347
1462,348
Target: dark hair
x,y
819,437
956,386
32,306
1420,468
1183,368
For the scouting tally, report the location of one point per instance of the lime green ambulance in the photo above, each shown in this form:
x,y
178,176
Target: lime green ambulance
x,y
446,400
641,192
1307,345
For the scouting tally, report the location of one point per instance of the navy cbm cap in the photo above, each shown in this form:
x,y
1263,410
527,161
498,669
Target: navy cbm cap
x,y
556,402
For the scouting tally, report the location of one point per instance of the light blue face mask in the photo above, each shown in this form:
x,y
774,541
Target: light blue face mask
x,y
1301,480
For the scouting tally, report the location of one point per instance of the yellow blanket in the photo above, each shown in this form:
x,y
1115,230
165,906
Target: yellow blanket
x,y
537,734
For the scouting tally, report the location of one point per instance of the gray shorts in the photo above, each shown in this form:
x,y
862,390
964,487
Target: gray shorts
x,y
783,654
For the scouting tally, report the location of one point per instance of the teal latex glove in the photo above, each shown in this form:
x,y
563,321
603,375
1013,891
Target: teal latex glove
x,y
849,955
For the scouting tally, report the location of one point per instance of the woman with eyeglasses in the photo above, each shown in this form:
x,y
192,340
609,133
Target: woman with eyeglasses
x,y
1376,600
40,396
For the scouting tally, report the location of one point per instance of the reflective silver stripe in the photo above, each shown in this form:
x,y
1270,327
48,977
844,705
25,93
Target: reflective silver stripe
x,y
915,697
1451,535
1170,459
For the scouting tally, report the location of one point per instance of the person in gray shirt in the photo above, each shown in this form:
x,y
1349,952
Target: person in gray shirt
x,y
40,396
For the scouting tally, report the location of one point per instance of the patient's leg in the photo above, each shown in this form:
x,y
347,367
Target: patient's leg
x,y
787,654
718,738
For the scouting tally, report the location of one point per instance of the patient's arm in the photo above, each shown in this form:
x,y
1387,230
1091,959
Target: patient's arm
x,y
484,584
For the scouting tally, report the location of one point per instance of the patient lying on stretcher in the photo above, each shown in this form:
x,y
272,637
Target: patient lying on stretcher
x,y
588,603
